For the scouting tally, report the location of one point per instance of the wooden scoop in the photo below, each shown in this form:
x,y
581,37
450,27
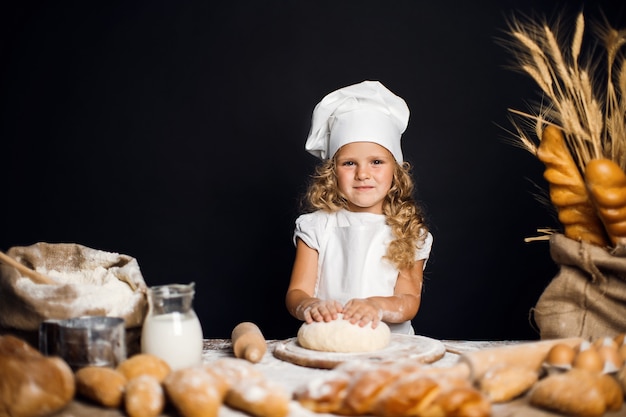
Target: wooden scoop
x,y
26,271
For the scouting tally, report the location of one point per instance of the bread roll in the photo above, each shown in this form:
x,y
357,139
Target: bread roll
x,y
32,385
259,397
195,392
504,383
577,392
103,386
144,397
144,364
233,370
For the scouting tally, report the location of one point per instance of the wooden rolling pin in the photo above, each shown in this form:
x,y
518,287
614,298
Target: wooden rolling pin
x,y
530,354
248,342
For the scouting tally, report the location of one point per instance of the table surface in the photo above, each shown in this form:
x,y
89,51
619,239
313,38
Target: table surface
x,y
291,376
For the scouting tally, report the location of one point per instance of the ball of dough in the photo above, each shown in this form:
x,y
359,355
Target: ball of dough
x,y
342,336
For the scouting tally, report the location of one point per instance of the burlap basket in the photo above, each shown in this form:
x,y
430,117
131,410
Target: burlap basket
x,y
587,297
90,283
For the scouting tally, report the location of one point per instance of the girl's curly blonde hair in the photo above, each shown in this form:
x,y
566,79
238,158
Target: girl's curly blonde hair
x,y
402,213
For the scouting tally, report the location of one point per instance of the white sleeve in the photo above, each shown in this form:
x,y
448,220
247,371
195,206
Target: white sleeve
x,y
307,229
423,251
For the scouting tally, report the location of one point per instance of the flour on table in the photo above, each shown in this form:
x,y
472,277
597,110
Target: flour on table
x,y
342,336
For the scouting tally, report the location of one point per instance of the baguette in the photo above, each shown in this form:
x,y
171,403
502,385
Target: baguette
x,y
568,192
606,182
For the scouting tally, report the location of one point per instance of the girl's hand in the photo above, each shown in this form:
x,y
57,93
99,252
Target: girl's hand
x,y
362,311
320,310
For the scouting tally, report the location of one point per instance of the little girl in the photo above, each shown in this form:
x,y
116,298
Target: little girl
x,y
362,248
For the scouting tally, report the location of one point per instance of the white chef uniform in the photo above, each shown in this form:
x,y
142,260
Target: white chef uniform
x,y
350,265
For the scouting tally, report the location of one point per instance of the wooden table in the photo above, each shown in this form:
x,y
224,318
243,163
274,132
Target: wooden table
x,y
291,376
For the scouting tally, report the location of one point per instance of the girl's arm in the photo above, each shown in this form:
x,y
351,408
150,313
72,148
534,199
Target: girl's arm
x,y
299,300
400,307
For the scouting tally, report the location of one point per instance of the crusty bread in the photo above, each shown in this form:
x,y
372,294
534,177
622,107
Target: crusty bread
x,y
32,385
144,364
578,392
144,397
195,392
400,392
101,385
606,182
568,191
259,398
503,383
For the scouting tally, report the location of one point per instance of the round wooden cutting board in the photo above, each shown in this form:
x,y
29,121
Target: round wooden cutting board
x,y
419,348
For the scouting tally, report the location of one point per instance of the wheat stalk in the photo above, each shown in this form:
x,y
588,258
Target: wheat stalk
x,y
592,118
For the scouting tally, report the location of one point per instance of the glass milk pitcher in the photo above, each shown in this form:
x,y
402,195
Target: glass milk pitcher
x,y
172,330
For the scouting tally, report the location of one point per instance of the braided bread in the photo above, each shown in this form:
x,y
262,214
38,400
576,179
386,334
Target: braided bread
x,y
392,390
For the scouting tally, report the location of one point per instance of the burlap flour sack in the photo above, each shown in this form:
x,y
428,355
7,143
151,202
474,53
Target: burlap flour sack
x,y
90,282
587,297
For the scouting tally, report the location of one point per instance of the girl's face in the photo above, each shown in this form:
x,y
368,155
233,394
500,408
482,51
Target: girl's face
x,y
364,175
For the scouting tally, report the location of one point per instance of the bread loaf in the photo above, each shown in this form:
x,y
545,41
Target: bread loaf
x,y
578,392
32,385
103,386
606,182
407,396
233,370
364,390
195,392
400,392
144,364
259,398
144,397
503,383
324,394
248,390
568,191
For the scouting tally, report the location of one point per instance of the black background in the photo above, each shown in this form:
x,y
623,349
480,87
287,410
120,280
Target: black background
x,y
174,132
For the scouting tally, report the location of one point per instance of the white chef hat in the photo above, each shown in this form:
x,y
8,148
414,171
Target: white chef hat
x,y
364,112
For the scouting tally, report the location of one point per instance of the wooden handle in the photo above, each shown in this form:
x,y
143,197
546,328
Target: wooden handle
x,y
248,342
528,354
26,271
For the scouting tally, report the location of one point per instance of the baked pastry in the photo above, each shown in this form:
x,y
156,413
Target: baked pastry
x,y
568,191
399,391
195,391
144,397
504,383
578,392
104,386
31,384
259,397
144,364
